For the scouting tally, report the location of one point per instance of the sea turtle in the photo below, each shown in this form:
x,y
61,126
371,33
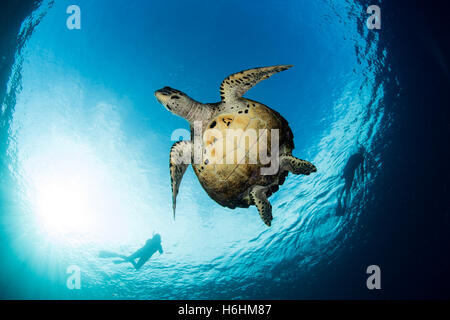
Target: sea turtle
x,y
229,173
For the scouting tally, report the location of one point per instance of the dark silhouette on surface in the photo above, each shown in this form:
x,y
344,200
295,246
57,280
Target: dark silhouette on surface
x,y
143,254
355,164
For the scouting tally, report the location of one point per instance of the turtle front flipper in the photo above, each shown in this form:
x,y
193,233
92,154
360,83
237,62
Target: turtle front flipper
x,y
235,85
180,158
259,199
296,166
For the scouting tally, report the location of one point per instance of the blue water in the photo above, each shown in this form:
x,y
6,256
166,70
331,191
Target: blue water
x,y
88,145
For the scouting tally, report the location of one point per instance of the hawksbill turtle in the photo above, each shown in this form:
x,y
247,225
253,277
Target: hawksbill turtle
x,y
233,174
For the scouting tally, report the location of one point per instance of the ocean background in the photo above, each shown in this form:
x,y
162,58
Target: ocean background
x,y
85,150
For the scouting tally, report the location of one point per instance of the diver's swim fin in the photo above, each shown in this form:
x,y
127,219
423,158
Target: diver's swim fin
x,y
108,254
120,261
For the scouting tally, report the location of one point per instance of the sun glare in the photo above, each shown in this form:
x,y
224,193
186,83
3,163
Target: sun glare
x,y
67,187
63,204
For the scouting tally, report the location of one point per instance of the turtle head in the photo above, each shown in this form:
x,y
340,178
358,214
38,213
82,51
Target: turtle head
x,y
173,100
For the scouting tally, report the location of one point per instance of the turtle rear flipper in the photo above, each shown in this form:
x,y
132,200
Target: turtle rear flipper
x,y
296,166
259,199
180,157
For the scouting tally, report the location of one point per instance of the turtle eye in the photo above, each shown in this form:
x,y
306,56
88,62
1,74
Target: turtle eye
x,y
165,91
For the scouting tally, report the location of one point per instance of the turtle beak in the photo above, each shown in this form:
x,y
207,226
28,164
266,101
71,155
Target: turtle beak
x,y
161,96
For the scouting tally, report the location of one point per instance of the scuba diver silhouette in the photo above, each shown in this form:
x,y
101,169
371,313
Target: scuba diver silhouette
x,y
143,254
354,164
